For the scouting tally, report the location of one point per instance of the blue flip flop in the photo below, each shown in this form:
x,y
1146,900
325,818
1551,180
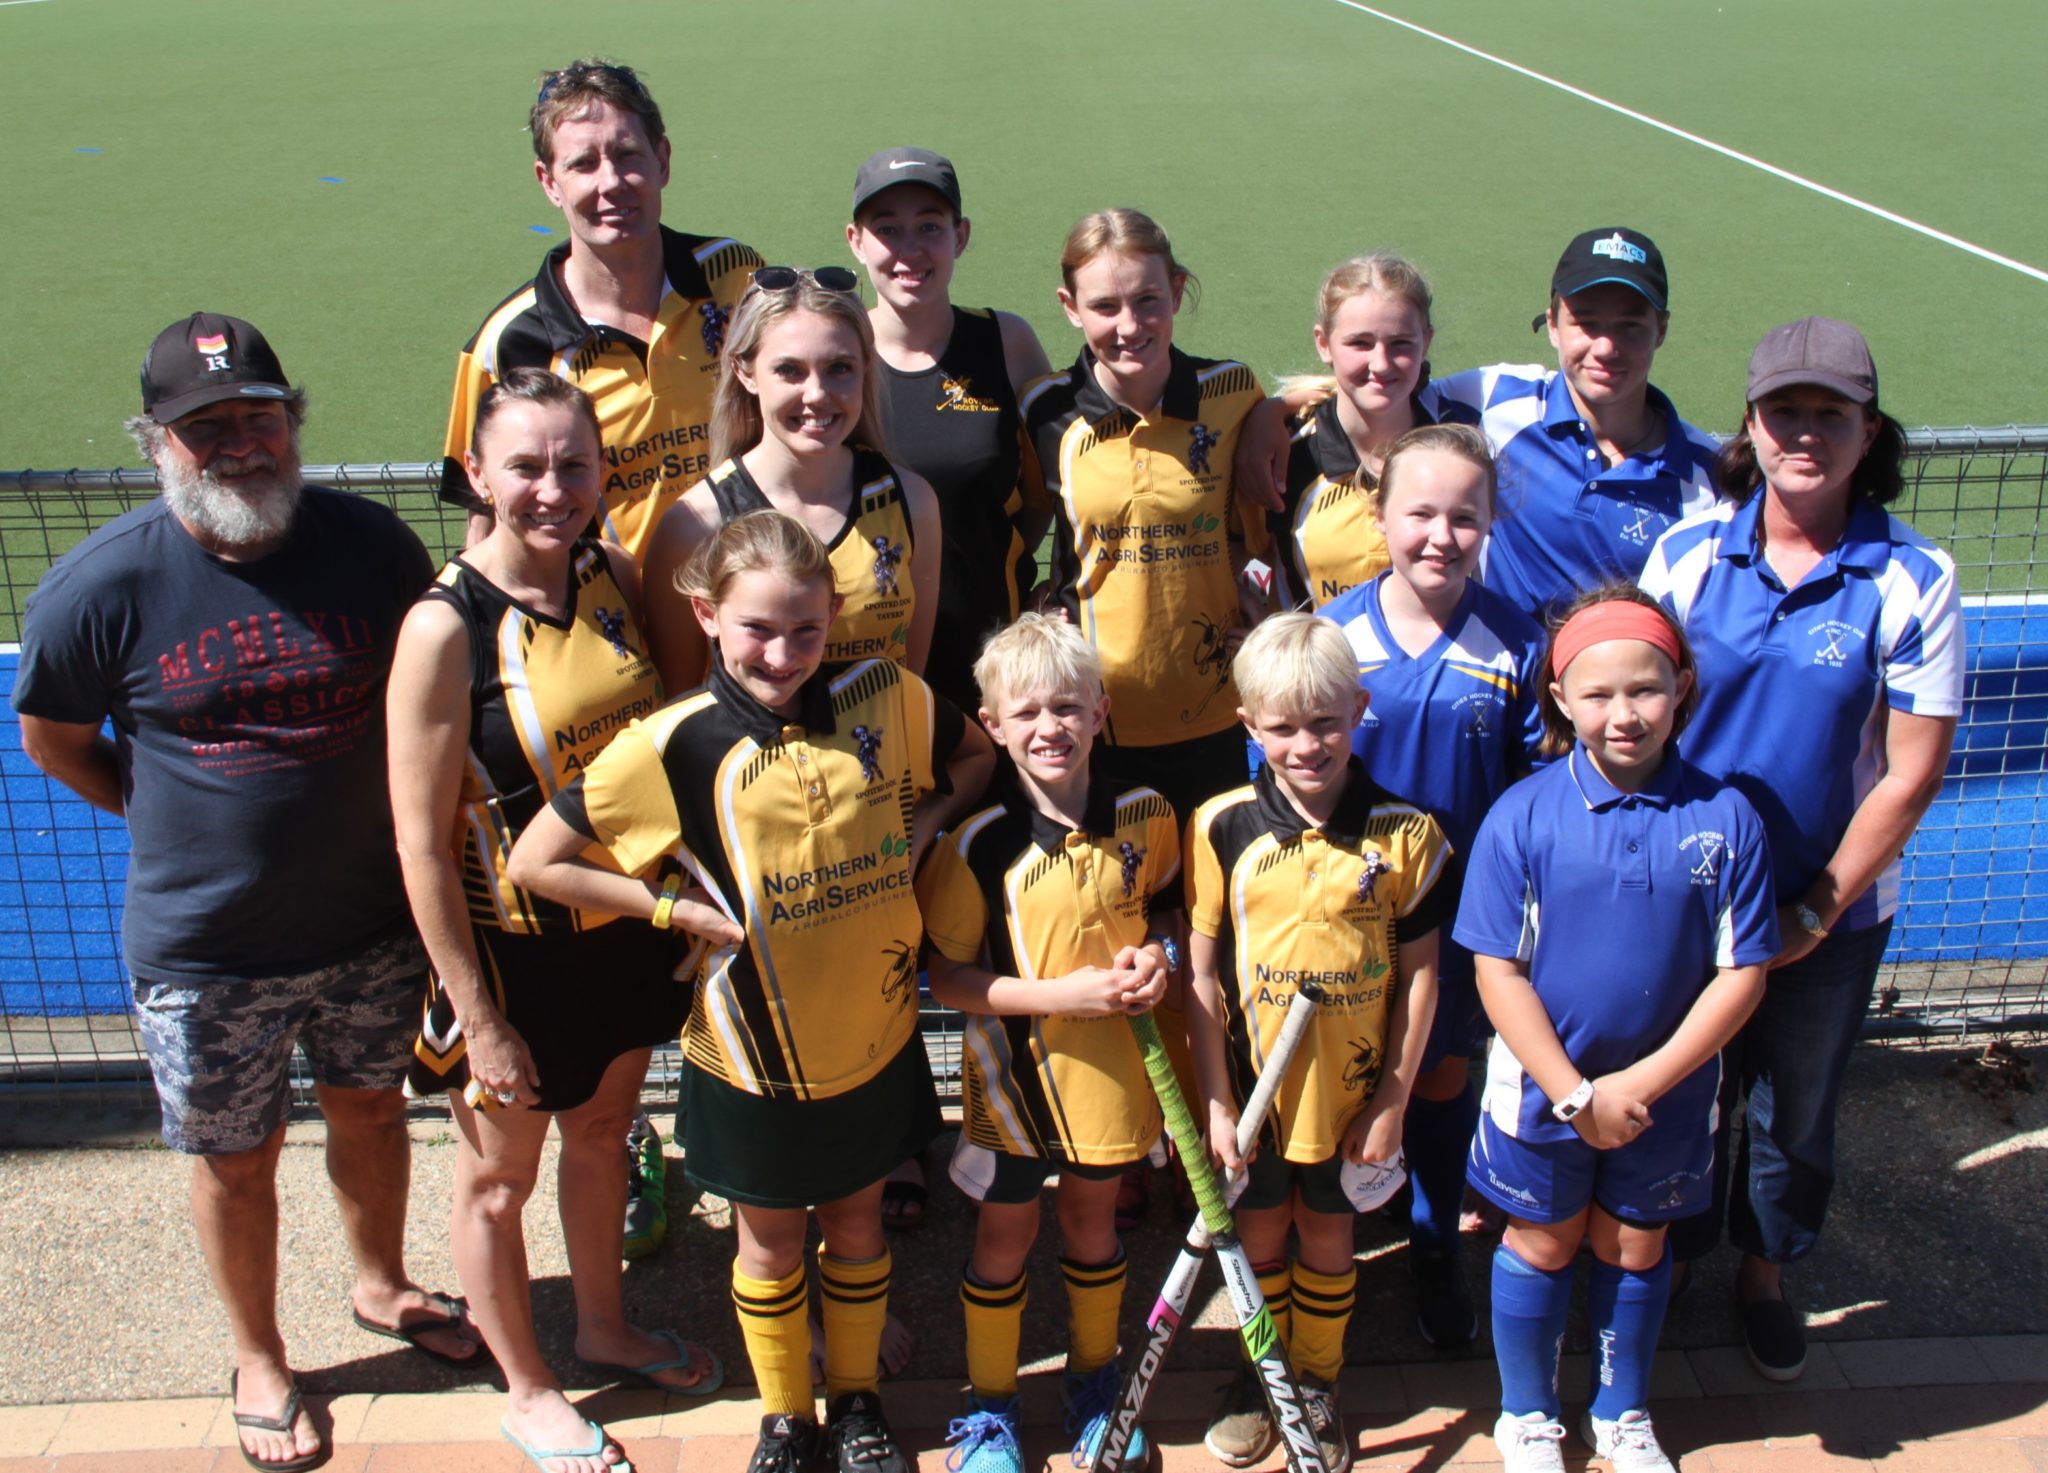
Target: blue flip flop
x,y
539,1455
685,1350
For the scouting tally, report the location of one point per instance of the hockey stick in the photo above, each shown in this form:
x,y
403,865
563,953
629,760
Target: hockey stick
x,y
1254,1323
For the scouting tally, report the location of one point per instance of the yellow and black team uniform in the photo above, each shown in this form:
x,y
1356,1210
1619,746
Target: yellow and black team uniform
x,y
871,555
957,424
1285,900
804,1080
1026,896
1325,540
1144,518
653,399
546,694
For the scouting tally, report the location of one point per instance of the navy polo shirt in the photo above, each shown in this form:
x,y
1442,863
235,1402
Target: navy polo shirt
x,y
1621,907
1795,683
1568,520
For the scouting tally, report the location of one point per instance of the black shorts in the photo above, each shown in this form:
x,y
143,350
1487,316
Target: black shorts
x,y
997,1176
1273,1178
1186,774
579,999
784,1152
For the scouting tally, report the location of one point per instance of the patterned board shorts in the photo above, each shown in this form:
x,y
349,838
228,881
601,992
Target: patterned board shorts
x,y
221,1051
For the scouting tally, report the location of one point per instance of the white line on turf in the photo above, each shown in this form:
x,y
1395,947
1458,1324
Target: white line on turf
x,y
1721,148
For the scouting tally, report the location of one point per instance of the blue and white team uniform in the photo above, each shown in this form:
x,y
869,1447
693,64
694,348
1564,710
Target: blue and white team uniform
x,y
1795,684
1448,730
1569,520
1621,907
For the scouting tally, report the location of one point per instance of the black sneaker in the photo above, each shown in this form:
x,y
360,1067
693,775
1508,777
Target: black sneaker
x,y
1443,1305
858,1438
1774,1334
788,1443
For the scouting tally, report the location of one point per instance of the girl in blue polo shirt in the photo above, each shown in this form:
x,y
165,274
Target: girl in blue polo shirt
x,y
1618,906
1453,671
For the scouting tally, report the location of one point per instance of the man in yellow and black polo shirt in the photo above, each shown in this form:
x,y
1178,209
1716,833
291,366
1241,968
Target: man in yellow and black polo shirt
x,y
630,311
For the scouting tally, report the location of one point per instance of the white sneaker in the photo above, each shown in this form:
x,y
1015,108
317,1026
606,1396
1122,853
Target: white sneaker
x,y
1529,1443
1628,1442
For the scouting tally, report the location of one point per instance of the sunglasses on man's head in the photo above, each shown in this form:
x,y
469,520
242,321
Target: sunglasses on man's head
x,y
782,278
625,76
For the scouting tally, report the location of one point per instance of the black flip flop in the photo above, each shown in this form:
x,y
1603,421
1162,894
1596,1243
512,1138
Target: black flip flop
x,y
287,1415
454,1314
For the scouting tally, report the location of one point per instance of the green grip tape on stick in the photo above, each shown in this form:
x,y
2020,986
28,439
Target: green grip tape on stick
x,y
1180,1124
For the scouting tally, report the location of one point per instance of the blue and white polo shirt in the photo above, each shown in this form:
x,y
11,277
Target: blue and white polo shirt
x,y
1794,685
1568,520
1621,906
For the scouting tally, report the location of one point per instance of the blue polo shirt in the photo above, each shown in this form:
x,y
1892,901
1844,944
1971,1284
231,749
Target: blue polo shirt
x,y
1621,907
1568,520
1794,684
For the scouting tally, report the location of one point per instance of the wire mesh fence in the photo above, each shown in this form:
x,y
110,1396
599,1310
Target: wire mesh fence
x,y
1969,949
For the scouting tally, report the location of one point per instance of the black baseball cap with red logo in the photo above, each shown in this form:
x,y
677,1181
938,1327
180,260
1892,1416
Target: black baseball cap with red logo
x,y
204,359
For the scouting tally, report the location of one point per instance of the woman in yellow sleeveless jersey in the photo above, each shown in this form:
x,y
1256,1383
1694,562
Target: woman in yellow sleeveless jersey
x,y
795,429
512,673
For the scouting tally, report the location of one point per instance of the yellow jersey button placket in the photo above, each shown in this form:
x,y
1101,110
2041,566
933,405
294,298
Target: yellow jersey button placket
x,y
812,789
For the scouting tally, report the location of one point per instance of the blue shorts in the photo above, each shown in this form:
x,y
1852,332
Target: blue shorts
x,y
1666,1173
221,1051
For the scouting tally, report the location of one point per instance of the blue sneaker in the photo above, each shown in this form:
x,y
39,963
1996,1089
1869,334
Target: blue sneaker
x,y
1090,1401
985,1440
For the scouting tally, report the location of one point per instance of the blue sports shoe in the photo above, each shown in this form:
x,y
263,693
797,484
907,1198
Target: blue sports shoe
x,y
1090,1401
985,1440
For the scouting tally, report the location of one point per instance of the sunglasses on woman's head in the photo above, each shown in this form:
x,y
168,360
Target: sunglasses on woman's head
x,y
782,278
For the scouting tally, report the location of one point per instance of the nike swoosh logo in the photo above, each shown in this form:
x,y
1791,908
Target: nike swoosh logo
x,y
904,163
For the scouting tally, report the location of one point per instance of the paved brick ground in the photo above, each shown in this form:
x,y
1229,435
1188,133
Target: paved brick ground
x,y
1970,1405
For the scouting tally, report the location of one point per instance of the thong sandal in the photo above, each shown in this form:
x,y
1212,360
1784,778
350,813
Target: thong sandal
x,y
539,1455
454,1314
685,1352
286,1418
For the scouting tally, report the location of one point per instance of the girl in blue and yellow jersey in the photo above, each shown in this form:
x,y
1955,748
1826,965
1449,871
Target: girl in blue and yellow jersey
x,y
1373,331
1453,672
512,673
795,429
794,797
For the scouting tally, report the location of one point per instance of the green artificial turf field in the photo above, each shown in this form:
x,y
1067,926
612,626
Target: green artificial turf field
x,y
354,175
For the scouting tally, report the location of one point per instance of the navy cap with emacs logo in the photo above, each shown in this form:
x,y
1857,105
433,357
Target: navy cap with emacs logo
x,y
207,358
1613,253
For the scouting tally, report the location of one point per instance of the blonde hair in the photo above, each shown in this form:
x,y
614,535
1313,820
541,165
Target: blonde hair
x,y
1295,665
1040,654
736,412
750,543
1370,271
1127,233
1463,441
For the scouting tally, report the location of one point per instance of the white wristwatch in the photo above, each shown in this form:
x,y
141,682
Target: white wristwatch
x,y
1568,1107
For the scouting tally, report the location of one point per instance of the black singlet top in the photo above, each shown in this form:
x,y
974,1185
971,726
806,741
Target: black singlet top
x,y
957,425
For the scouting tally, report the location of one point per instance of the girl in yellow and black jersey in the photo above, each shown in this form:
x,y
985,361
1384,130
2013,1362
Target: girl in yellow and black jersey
x,y
795,429
778,811
1136,440
1372,331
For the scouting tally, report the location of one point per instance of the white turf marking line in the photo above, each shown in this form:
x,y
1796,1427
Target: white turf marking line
x,y
1721,148
22,2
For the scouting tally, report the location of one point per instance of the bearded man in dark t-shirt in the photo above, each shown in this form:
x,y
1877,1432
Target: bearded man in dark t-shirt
x,y
237,633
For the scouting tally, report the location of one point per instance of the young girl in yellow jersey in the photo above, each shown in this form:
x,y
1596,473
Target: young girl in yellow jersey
x,y
792,799
795,428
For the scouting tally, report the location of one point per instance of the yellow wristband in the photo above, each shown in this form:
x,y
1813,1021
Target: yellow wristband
x,y
665,907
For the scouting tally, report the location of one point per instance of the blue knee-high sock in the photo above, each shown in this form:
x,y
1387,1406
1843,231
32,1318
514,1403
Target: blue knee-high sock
x,y
1529,1310
1625,1313
1436,1136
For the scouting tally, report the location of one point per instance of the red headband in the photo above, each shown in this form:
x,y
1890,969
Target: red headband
x,y
1617,618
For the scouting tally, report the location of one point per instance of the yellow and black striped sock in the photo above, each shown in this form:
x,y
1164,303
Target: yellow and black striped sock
x,y
1322,1311
1276,1282
995,1325
1095,1301
776,1325
856,1307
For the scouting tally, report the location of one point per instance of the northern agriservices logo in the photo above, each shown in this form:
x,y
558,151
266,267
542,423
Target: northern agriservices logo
x,y
830,890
